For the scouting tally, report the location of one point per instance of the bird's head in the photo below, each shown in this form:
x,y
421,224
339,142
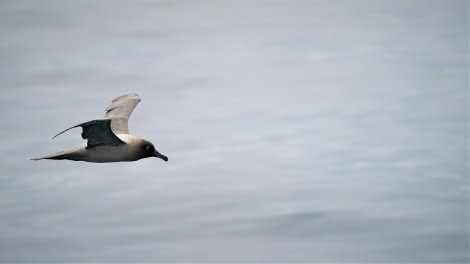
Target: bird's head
x,y
148,150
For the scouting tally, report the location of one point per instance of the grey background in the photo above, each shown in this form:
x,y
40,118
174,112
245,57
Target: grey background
x,y
296,131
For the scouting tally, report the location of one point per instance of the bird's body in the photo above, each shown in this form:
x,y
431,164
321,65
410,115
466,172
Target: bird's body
x,y
108,138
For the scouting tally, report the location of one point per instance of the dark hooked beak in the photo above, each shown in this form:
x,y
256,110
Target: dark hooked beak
x,y
161,156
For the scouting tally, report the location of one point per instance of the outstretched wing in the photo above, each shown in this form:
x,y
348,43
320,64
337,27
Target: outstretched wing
x,y
120,110
98,133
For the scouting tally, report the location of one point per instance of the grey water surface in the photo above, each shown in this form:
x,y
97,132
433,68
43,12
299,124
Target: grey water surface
x,y
296,131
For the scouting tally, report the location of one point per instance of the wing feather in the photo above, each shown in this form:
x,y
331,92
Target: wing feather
x,y
119,112
98,133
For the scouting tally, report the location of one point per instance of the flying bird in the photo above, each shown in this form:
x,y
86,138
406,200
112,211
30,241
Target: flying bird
x,y
108,139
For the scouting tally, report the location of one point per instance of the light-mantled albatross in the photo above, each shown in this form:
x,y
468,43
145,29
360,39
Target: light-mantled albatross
x,y
108,138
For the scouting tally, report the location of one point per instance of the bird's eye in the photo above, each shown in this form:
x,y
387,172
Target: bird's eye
x,y
147,147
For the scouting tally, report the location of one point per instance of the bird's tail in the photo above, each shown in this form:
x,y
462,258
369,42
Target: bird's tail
x,y
70,154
